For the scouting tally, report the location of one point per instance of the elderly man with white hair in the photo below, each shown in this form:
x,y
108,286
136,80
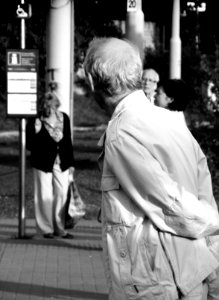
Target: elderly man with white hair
x,y
150,79
158,210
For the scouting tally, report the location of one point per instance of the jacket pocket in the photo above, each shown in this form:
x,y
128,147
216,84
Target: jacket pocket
x,y
109,183
117,207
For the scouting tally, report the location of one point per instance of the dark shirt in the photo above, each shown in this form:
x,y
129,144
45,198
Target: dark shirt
x,y
44,149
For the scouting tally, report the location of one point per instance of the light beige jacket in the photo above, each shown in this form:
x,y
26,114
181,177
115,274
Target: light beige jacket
x,y
157,204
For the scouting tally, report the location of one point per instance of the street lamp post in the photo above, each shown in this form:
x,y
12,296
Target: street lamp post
x,y
135,24
59,49
197,7
175,43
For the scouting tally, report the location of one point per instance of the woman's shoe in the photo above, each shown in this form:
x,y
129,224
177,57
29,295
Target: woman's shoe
x,y
48,235
68,236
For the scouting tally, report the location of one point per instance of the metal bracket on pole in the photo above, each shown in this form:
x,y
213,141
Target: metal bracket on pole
x,y
53,85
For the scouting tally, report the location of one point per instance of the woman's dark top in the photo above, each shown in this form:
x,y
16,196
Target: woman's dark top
x,y
44,149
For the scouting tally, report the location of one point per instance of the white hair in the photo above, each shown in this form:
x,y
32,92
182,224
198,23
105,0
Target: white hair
x,y
114,65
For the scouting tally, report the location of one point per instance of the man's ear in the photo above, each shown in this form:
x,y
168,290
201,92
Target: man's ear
x,y
90,81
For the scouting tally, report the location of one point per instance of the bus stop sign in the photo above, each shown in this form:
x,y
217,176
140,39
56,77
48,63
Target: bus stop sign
x,y
22,82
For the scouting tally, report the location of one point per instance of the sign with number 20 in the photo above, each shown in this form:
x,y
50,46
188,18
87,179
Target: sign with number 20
x,y
131,5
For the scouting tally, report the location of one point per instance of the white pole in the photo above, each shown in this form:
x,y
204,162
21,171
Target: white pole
x,y
59,49
72,38
175,42
135,24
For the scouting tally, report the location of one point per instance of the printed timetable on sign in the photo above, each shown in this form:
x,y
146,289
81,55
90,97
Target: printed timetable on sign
x,y
22,82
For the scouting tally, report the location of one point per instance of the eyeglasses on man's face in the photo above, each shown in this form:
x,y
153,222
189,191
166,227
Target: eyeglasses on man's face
x,y
149,80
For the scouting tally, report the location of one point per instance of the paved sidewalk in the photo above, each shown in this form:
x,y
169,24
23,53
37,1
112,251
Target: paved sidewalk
x,y
14,134
35,268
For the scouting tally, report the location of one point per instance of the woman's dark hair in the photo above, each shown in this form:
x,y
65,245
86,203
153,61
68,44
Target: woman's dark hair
x,y
179,91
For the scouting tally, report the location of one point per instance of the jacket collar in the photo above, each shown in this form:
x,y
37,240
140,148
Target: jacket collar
x,y
133,99
130,100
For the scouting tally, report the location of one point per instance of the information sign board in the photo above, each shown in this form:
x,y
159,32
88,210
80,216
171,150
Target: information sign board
x,y
131,5
22,82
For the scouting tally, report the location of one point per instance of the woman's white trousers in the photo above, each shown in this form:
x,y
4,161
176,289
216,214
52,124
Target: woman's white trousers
x,y
50,193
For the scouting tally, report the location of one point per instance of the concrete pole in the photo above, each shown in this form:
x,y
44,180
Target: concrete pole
x,y
135,24
60,32
175,42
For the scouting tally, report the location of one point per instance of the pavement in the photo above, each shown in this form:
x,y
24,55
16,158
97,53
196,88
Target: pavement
x,y
35,268
14,134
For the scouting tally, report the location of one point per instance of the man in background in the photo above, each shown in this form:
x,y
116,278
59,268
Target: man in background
x,y
150,79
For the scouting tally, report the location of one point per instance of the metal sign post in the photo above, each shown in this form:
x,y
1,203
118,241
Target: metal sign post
x,y
22,85
22,102
21,232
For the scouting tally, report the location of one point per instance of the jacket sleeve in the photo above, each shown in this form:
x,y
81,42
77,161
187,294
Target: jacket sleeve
x,y
205,193
205,190
169,206
67,132
30,133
